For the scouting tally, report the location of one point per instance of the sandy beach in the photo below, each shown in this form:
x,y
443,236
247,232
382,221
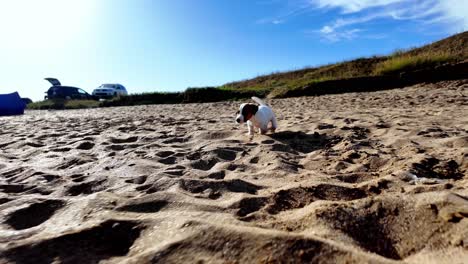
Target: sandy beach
x,y
352,178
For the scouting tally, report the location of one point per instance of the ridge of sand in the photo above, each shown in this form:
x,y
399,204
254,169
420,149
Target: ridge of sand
x,y
354,178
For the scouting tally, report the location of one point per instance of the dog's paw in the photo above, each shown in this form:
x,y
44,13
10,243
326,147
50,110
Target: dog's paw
x,y
262,131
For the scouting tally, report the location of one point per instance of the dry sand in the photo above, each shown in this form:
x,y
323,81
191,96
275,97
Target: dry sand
x,y
354,178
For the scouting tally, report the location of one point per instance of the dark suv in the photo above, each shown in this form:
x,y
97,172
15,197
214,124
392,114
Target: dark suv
x,y
58,91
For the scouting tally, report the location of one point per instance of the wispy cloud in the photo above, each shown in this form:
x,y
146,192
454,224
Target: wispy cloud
x,y
334,36
297,10
456,11
352,6
358,13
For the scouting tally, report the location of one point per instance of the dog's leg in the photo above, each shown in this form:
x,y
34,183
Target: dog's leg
x,y
274,124
251,129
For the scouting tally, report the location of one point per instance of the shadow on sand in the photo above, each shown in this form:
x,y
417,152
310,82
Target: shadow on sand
x,y
305,143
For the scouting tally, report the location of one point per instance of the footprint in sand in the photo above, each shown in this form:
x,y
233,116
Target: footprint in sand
x,y
143,207
86,145
164,154
299,197
102,241
123,140
15,188
204,164
236,185
137,180
168,160
34,214
218,175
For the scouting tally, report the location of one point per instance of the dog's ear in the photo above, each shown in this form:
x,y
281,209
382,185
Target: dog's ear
x,y
249,110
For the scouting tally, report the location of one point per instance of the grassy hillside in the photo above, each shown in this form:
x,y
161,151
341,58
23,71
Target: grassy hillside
x,y
456,45
449,50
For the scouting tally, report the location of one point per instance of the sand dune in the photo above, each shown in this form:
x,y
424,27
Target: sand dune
x,y
354,178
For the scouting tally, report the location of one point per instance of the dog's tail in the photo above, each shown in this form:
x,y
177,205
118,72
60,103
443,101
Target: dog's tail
x,y
258,100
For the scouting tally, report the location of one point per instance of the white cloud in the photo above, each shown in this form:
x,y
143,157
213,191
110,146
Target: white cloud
x,y
343,22
277,21
451,13
329,35
346,34
456,10
297,11
327,30
352,6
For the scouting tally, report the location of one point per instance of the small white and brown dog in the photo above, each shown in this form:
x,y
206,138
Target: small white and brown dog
x,y
257,116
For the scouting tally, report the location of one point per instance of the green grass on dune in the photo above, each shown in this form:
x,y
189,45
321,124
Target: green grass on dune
x,y
77,104
63,104
404,63
145,99
362,67
190,95
449,50
292,79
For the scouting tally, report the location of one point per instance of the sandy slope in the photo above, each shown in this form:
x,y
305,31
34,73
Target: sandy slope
x,y
374,177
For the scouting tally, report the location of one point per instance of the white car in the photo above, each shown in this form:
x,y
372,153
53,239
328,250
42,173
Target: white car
x,y
109,90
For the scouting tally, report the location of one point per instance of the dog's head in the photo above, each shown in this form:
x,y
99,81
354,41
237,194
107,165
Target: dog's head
x,y
246,111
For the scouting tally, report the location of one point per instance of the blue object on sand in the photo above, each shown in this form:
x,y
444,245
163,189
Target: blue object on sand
x,y
11,104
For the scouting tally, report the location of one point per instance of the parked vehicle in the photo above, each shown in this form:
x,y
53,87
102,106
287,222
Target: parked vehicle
x,y
26,100
58,91
110,90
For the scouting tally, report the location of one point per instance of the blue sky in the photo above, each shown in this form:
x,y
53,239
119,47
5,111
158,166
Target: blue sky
x,y
169,45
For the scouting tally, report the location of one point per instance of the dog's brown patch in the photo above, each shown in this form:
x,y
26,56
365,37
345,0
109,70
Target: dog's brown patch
x,y
249,110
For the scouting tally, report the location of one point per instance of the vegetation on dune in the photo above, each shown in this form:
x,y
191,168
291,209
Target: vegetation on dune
x,y
450,50
456,45
63,104
354,68
145,98
191,95
213,94
404,63
77,104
